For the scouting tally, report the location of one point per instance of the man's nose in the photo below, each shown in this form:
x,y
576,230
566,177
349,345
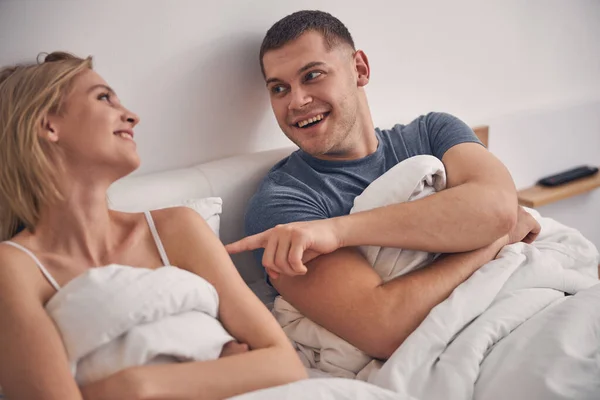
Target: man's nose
x,y
299,98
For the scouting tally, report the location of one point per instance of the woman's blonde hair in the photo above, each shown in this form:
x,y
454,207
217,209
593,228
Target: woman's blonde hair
x,y
28,168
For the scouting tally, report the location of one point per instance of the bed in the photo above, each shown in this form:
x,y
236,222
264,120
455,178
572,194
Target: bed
x,y
554,353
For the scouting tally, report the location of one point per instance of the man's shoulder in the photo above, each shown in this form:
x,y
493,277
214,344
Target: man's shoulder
x,y
432,133
423,123
284,182
285,174
286,194
409,139
292,174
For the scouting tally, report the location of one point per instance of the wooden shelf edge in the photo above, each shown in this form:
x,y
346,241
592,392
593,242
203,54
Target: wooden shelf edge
x,y
537,195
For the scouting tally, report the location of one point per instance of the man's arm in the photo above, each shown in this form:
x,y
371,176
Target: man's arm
x,y
479,206
340,290
344,294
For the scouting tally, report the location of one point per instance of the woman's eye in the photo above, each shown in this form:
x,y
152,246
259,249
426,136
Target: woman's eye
x,y
104,97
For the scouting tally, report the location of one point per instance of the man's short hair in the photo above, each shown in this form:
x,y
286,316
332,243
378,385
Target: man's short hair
x,y
291,27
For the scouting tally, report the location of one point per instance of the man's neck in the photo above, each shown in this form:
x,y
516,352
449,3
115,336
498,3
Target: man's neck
x,y
361,140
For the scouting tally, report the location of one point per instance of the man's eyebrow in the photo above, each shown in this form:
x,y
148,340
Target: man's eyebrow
x,y
271,80
102,86
310,65
301,70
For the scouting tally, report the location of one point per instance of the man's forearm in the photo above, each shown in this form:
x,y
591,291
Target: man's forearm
x,y
414,295
462,218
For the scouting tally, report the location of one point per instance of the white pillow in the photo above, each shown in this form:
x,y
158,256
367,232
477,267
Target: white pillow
x,y
209,208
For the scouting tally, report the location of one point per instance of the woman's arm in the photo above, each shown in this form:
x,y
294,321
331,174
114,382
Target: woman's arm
x,y
272,361
33,361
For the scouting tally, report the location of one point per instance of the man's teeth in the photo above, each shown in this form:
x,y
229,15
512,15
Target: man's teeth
x,y
310,120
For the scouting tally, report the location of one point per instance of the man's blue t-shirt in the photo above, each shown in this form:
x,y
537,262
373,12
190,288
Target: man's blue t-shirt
x,y
304,188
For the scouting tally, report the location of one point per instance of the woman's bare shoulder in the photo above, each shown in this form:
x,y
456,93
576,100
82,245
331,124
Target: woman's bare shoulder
x,y
11,256
186,236
174,222
19,273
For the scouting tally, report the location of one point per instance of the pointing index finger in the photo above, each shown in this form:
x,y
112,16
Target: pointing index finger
x,y
248,243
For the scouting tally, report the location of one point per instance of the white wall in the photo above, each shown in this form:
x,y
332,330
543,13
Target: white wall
x,y
529,69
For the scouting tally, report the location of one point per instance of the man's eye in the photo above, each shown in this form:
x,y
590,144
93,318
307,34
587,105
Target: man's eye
x,y
312,75
277,89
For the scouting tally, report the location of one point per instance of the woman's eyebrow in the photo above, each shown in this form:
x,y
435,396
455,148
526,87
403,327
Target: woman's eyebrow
x,y
102,86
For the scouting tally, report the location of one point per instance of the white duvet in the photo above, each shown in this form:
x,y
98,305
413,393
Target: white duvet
x,y
510,328
509,331
115,317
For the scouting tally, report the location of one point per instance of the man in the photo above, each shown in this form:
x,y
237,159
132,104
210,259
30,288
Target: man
x,y
299,215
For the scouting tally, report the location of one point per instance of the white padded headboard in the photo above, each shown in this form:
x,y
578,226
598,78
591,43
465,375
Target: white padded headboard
x,y
234,179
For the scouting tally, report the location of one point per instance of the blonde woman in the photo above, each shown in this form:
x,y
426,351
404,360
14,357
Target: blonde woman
x,y
64,138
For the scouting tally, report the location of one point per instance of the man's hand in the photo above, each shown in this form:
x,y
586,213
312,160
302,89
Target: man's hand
x,y
526,229
289,247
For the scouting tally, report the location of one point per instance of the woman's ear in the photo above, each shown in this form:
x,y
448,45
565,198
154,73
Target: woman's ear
x,y
49,130
363,70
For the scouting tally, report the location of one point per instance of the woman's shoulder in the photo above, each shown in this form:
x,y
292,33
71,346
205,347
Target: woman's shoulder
x,y
180,216
175,221
183,233
179,228
19,273
12,254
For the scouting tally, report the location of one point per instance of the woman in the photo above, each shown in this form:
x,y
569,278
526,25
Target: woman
x,y
64,138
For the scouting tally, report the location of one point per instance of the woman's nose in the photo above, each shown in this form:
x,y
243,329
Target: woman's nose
x,y
131,117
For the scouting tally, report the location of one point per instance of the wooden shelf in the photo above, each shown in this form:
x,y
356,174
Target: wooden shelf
x,y
537,195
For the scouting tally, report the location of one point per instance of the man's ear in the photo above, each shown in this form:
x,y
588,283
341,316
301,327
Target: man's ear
x,y
49,129
361,63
